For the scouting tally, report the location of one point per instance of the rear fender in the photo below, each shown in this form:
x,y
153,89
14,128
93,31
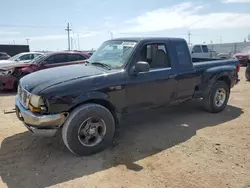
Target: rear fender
x,y
211,75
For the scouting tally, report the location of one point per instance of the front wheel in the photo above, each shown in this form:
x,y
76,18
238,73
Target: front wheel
x,y
216,100
89,129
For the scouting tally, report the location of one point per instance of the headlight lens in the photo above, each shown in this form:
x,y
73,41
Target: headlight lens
x,y
36,101
6,72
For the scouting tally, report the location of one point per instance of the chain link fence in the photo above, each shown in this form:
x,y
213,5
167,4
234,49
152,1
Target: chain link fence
x,y
229,48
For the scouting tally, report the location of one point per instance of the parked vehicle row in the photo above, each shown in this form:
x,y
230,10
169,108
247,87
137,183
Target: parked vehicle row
x,y
11,73
243,57
124,75
4,56
202,51
23,57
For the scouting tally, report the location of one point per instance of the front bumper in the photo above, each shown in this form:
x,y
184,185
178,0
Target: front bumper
x,y
44,125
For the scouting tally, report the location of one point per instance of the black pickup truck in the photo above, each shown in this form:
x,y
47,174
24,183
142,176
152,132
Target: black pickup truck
x,y
124,75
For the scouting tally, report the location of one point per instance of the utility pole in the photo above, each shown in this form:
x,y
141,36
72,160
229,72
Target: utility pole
x,y
78,41
27,41
71,43
189,37
68,30
248,37
111,34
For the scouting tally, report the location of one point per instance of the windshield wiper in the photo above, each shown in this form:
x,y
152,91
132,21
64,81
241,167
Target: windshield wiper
x,y
102,65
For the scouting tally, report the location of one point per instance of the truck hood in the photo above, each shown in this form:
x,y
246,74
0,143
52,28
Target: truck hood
x,y
49,77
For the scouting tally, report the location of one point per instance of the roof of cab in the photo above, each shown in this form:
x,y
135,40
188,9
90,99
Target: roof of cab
x,y
138,39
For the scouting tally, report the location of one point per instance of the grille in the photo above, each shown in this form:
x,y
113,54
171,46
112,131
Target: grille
x,y
23,96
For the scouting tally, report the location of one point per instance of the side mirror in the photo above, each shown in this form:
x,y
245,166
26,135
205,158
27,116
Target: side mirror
x,y
141,66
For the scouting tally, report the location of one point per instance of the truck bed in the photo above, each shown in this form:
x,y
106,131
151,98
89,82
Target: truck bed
x,y
198,59
214,63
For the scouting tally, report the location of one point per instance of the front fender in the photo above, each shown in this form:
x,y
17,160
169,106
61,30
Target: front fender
x,y
26,70
90,96
66,103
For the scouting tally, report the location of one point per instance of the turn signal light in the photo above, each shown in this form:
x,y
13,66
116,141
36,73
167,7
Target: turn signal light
x,y
34,109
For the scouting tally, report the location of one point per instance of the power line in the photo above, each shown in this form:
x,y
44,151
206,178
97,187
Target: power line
x,y
29,26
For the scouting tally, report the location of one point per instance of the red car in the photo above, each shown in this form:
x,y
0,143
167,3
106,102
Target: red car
x,y
244,56
10,75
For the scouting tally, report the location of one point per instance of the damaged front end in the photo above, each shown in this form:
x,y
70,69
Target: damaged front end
x,y
8,78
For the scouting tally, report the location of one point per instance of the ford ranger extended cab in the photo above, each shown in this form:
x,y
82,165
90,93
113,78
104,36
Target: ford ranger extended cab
x,y
124,75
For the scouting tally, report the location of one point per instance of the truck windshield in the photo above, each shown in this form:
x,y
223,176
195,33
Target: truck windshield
x,y
113,53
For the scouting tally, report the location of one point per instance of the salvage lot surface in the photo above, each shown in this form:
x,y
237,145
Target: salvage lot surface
x,y
179,146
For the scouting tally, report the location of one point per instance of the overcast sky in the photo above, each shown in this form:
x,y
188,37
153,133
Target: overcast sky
x,y
44,22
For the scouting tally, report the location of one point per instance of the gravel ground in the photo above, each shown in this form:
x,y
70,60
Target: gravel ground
x,y
180,146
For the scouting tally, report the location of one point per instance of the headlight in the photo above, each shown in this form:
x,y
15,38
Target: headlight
x,y
37,104
36,101
6,72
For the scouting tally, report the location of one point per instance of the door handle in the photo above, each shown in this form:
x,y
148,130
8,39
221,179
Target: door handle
x,y
172,75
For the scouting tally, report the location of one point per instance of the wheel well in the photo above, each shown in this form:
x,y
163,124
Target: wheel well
x,y
227,80
107,105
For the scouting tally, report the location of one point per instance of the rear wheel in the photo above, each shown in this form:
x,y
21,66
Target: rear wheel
x,y
216,100
89,129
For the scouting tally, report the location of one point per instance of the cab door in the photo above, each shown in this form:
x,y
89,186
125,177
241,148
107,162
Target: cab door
x,y
187,76
156,87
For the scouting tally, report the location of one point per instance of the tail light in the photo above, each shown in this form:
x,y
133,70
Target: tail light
x,y
238,68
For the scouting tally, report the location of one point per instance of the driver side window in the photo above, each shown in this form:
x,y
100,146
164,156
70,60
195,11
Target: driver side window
x,y
25,57
197,49
155,55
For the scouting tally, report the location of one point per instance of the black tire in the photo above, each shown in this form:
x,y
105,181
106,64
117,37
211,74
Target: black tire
x,y
73,123
210,103
247,73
